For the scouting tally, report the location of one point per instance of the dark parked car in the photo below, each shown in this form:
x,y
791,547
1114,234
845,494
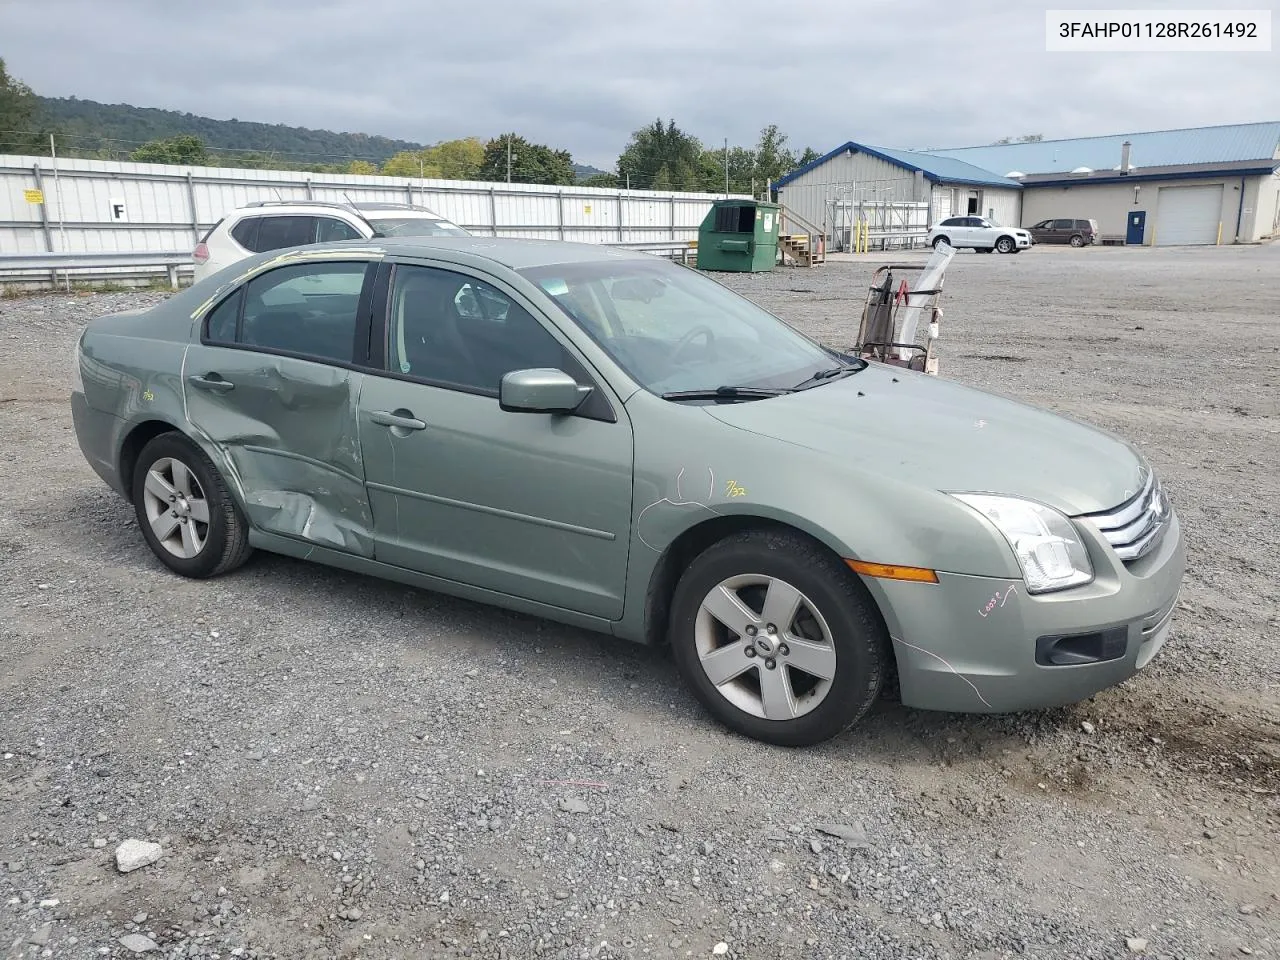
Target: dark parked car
x,y
1076,232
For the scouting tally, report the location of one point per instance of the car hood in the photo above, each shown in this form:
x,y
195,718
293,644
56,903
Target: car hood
x,y
930,432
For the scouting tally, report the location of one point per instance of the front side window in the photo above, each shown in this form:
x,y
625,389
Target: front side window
x,y
308,309
674,329
415,227
456,330
331,229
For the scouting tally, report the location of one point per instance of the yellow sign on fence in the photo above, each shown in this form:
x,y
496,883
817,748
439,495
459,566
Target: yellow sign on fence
x,y
34,196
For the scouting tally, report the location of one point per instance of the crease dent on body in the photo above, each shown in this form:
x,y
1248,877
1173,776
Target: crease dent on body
x,y
678,502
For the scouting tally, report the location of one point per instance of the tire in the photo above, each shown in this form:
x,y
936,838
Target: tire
x,y
938,240
834,618
204,534
1076,240
1006,245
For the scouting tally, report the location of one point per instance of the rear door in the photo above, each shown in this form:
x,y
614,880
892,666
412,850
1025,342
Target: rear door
x,y
272,386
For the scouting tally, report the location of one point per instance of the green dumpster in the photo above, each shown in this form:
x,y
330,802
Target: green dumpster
x,y
739,236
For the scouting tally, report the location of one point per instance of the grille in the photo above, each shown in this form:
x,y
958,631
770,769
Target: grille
x,y
1135,527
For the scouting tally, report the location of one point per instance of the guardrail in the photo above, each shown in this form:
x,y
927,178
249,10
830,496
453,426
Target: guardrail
x,y
55,267
58,268
683,247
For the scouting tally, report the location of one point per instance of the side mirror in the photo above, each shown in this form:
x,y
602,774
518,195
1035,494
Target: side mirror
x,y
544,390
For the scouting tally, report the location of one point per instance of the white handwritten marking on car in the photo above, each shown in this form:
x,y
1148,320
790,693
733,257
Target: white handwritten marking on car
x,y
930,653
679,501
997,596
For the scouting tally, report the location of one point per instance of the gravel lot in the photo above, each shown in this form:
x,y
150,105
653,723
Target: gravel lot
x,y
341,767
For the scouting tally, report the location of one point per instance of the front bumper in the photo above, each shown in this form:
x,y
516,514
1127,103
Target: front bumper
x,y
1023,242
983,645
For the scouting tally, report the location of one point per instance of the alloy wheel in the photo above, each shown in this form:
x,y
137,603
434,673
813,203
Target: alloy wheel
x,y
765,646
176,507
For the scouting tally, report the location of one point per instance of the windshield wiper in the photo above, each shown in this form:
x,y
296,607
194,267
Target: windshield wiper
x,y
822,376
726,393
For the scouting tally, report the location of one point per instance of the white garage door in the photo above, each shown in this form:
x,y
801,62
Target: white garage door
x,y
1188,215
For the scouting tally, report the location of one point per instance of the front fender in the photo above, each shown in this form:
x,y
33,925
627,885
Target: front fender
x,y
692,470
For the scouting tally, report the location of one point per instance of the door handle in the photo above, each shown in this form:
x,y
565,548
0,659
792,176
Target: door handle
x,y
388,419
212,382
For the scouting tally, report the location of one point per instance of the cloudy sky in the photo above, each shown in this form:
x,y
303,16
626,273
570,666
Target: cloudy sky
x,y
582,74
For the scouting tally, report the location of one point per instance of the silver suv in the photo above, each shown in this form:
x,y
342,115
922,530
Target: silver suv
x,y
275,224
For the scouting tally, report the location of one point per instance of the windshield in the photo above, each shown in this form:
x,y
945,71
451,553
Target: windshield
x,y
674,329
415,227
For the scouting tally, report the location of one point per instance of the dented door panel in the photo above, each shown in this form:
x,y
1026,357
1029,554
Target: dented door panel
x,y
286,430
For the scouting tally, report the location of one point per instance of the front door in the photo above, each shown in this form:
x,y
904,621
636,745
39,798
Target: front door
x,y
270,386
531,505
1136,232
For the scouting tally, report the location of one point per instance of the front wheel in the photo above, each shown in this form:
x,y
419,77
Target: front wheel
x,y
778,639
1005,245
185,512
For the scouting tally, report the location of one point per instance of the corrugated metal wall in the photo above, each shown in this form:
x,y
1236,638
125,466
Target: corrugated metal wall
x,y
1004,207
849,178
110,206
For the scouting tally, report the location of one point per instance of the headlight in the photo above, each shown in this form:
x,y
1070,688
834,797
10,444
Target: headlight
x,y
1048,548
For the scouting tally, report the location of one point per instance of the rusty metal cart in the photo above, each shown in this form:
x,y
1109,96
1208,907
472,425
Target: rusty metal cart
x,y
895,308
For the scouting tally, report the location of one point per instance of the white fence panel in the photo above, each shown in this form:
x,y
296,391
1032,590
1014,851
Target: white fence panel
x,y
103,206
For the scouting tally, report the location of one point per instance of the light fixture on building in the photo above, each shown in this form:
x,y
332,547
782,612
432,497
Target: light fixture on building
x,y
1136,188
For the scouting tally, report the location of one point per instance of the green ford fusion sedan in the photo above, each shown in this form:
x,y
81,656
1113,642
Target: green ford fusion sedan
x,y
614,441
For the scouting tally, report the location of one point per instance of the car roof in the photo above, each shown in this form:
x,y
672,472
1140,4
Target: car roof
x,y
513,253
279,205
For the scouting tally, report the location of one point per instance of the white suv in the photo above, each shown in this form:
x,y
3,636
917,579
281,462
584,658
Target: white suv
x,y
271,225
979,234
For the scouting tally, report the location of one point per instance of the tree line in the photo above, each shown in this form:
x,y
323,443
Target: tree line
x,y
658,156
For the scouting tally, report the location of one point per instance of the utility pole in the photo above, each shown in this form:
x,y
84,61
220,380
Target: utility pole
x,y
726,167
509,158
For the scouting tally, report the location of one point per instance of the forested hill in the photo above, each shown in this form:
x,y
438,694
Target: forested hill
x,y
118,128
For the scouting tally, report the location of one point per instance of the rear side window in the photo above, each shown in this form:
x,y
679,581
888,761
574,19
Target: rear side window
x,y
220,325
308,309
277,232
245,233
1062,225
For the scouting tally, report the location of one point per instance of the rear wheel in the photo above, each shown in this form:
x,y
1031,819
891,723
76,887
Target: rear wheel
x,y
777,639
940,240
185,512
1077,240
1006,245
